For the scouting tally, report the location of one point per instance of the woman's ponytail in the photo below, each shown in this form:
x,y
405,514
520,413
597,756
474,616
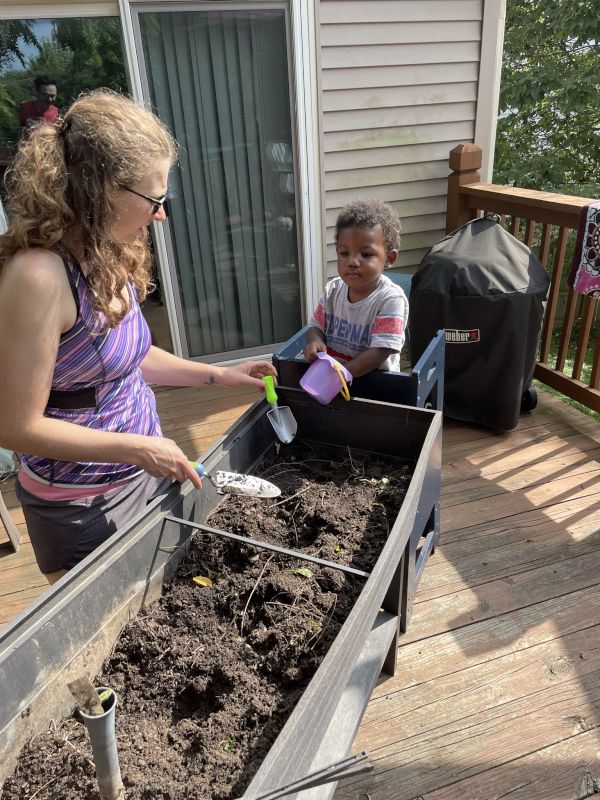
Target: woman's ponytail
x,y
37,184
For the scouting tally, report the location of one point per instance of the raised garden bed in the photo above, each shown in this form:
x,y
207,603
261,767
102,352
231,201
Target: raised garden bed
x,y
77,625
422,387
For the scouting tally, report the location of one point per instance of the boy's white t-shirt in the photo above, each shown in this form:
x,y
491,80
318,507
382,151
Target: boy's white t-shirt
x,y
378,320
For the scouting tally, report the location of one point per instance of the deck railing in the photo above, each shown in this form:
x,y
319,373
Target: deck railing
x,y
548,224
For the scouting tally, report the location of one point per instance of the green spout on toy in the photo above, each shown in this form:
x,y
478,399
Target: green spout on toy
x,y
270,392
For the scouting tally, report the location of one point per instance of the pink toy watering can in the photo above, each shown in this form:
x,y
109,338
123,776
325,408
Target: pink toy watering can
x,y
325,378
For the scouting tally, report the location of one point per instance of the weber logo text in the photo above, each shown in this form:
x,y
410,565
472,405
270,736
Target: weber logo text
x,y
455,336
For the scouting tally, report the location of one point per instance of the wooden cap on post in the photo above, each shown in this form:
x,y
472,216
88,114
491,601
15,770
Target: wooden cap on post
x,y
464,161
465,157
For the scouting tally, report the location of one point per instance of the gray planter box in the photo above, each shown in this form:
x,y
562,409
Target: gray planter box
x,y
423,386
73,626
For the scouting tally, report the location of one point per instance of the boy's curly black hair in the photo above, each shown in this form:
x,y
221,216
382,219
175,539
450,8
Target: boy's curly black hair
x,y
369,214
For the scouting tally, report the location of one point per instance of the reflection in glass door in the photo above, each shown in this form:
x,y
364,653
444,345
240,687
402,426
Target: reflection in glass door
x,y
219,80
44,65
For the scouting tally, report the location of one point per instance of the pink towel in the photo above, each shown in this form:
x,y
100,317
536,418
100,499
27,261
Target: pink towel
x,y
584,276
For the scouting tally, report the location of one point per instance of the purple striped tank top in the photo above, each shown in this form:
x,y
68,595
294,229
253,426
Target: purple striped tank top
x,y
107,362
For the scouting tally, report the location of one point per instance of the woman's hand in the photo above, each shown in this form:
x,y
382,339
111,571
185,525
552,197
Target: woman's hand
x,y
246,373
166,369
163,458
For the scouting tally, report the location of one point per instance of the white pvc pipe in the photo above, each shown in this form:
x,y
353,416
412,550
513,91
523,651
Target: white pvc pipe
x,y
104,746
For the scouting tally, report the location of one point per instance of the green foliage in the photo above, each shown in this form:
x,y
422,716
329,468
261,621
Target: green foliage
x,y
82,54
13,34
96,55
549,128
569,364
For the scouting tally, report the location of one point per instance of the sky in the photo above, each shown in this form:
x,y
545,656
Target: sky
x,y
43,30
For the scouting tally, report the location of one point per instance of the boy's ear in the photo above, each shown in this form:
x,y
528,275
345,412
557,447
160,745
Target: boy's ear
x,y
390,258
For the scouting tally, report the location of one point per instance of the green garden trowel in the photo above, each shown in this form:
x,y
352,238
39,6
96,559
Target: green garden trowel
x,y
280,417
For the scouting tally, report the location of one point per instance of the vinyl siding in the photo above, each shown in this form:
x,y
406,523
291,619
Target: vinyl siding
x,y
399,89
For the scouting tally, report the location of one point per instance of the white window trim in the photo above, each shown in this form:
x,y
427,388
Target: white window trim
x,y
160,243
304,71
305,49
488,91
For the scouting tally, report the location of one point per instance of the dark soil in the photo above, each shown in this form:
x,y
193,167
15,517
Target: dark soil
x,y
207,676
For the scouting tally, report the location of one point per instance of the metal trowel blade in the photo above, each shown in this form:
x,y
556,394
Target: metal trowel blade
x,y
283,422
236,483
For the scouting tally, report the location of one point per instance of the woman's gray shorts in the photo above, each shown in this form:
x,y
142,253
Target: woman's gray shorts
x,y
63,532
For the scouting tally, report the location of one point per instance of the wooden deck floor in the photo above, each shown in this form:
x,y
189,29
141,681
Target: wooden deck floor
x,y
497,692
193,418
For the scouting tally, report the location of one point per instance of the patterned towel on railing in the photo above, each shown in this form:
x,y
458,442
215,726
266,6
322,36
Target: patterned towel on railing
x,y
584,276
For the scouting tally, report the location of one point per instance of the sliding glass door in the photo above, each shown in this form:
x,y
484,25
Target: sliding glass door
x,y
219,80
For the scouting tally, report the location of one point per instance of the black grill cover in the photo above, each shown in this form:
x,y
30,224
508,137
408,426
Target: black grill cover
x,y
487,290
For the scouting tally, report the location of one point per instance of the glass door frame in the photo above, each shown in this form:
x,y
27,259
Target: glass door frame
x,y
306,145
28,9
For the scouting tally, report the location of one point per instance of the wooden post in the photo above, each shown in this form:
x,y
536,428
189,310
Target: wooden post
x,y
465,161
11,528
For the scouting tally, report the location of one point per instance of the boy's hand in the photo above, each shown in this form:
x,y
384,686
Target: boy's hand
x,y
313,346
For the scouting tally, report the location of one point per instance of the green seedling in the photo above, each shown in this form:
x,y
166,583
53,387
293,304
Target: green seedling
x,y
380,482
337,548
304,571
103,696
229,744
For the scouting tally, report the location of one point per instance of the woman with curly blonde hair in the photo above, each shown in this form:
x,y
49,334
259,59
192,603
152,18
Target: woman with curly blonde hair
x,y
76,353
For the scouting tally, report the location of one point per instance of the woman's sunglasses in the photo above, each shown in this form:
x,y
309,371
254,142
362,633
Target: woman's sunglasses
x,y
157,202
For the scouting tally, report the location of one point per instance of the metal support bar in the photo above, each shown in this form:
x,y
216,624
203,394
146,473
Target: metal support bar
x,y
340,769
283,550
